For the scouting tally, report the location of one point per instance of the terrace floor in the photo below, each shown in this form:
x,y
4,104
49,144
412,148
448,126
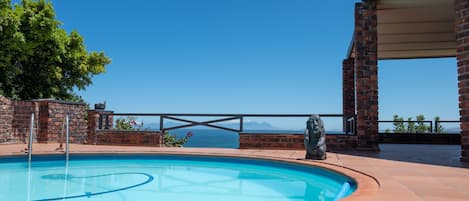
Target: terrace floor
x,y
398,172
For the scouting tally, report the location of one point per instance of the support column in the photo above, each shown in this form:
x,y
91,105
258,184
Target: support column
x,y
366,75
348,90
94,124
462,36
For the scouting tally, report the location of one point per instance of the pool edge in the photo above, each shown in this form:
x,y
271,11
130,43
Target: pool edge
x,y
367,185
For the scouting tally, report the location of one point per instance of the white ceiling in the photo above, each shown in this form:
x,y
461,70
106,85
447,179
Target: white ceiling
x,y
416,29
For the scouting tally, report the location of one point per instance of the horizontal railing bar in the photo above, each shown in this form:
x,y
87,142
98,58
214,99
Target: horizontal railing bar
x,y
204,122
433,133
448,121
221,115
403,121
208,125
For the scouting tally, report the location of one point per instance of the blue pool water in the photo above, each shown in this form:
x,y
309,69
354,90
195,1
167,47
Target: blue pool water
x,y
167,178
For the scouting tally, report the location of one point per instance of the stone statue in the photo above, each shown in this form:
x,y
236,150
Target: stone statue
x,y
315,138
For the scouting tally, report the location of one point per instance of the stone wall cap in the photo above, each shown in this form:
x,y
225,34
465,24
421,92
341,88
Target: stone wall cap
x,y
51,100
101,111
271,133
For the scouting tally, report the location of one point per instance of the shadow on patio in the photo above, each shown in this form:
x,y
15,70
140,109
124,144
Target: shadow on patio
x,y
442,155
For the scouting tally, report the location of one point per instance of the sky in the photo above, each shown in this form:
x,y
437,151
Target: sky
x,y
242,56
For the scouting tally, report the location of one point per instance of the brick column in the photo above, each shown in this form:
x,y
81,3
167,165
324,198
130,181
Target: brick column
x,y
462,36
348,89
6,119
93,124
366,74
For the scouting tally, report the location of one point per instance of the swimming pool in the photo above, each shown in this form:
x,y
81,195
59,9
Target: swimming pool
x,y
167,177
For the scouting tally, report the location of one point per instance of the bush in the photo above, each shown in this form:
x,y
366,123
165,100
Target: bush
x,y
128,124
172,141
401,126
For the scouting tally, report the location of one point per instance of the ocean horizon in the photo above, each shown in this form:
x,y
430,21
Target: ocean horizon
x,y
216,138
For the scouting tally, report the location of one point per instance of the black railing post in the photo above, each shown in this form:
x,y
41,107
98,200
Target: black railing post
x,y
161,130
161,122
106,126
431,126
162,138
100,121
241,124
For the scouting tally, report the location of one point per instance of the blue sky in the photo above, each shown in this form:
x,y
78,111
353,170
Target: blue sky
x,y
242,56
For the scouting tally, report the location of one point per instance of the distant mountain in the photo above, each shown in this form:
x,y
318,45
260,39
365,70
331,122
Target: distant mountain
x,y
250,125
452,130
253,125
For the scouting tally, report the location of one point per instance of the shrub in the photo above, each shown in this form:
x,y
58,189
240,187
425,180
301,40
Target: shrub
x,y
172,141
128,124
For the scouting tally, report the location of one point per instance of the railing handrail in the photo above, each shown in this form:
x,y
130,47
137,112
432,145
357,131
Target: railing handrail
x,y
190,123
223,115
434,124
413,121
448,121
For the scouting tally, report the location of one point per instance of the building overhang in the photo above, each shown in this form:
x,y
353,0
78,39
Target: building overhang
x,y
410,29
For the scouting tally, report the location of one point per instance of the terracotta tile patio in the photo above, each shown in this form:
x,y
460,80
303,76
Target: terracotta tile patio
x,y
398,172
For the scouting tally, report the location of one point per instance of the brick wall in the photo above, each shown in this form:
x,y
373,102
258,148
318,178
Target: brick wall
x,y
291,141
348,90
15,120
117,137
366,74
52,118
93,123
22,119
462,37
270,141
6,118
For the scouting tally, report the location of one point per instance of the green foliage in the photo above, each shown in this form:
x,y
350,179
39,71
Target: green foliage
x,y
439,128
173,141
411,127
38,59
399,126
128,124
421,127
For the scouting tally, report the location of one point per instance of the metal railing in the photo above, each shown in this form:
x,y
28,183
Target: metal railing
x,y
437,124
350,125
30,142
67,138
433,125
104,120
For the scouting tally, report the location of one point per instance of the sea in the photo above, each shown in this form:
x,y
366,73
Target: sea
x,y
215,138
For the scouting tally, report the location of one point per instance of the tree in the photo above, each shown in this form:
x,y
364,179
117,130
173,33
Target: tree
x,y
38,59
399,126
421,127
10,43
439,128
410,125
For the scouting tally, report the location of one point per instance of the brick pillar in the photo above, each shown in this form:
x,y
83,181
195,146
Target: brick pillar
x,y
462,36
366,74
348,90
43,117
6,119
93,124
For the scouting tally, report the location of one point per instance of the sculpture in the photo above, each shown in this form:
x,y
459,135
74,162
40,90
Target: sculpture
x,y
315,138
